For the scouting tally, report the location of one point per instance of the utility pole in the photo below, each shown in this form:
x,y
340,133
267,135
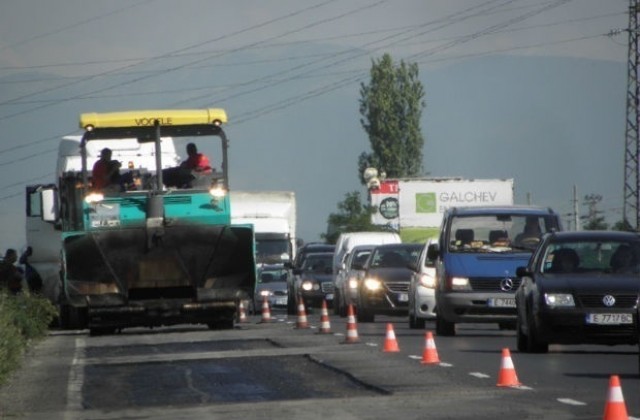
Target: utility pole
x,y
576,213
631,208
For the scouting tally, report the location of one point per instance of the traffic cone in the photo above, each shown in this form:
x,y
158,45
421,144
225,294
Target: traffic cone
x,y
430,354
266,312
302,315
507,375
325,326
242,315
615,408
352,328
390,342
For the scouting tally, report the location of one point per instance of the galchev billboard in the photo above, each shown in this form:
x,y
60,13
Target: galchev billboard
x,y
420,202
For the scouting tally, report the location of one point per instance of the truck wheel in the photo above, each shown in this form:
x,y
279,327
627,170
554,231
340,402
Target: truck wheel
x,y
444,327
72,318
94,332
364,316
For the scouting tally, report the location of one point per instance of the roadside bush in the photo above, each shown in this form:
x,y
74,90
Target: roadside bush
x,y
23,319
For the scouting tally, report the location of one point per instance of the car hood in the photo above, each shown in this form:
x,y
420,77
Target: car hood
x,y
390,274
576,283
485,265
274,287
321,278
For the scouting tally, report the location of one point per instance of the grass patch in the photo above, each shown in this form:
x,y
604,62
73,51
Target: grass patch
x,y
418,235
23,319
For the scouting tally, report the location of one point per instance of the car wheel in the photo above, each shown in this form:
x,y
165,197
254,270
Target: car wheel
x,y
292,307
364,316
416,323
522,338
507,326
444,327
337,303
342,310
534,344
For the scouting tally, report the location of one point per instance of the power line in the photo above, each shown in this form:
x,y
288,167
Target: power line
x,y
74,25
222,37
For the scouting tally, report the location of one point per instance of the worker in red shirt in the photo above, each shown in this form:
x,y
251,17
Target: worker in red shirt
x,y
106,172
183,175
196,161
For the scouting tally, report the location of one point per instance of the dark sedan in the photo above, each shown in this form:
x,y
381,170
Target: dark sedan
x,y
314,280
384,288
580,288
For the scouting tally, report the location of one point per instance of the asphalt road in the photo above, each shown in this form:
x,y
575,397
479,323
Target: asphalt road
x,y
275,370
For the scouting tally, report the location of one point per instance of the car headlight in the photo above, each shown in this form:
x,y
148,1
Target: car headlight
x,y
559,299
264,293
427,281
372,284
353,283
310,285
459,283
94,197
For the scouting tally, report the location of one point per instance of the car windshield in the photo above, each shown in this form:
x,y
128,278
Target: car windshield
x,y
498,233
318,263
273,275
395,257
595,256
360,257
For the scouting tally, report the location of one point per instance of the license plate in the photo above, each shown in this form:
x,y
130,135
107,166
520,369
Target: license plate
x,y
281,301
329,296
502,302
403,297
609,319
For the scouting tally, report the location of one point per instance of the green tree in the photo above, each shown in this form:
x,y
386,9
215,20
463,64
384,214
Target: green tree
x,y
594,219
623,225
353,216
391,106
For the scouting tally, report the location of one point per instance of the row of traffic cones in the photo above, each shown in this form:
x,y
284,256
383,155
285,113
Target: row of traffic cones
x,y
615,407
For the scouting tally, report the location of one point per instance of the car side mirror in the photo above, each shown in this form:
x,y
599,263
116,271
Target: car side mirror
x,y
523,272
433,252
297,271
413,267
288,264
357,266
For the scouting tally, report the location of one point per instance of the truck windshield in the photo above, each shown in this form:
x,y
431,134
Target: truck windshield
x,y
272,250
497,233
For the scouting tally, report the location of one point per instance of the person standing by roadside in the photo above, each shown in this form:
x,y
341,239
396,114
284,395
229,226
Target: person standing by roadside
x,y
10,277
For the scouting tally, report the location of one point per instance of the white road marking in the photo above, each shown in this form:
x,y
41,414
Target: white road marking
x,y
372,344
76,379
570,401
479,375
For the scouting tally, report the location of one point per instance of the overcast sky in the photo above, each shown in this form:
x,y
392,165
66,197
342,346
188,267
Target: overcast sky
x,y
288,73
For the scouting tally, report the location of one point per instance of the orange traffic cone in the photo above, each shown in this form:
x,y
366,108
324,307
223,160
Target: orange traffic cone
x,y
507,375
390,342
266,312
242,315
430,354
302,315
352,328
615,409
325,326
